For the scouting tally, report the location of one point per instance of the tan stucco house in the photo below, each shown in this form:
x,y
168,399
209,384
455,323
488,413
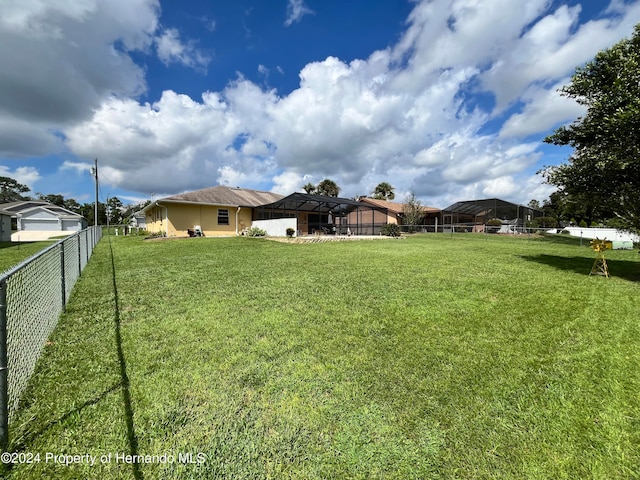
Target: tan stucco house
x,y
216,211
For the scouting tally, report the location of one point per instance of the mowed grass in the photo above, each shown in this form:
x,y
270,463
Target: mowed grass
x,y
437,356
12,253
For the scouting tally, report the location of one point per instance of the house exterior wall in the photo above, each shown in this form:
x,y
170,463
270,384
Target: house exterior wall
x,y
5,228
175,219
276,227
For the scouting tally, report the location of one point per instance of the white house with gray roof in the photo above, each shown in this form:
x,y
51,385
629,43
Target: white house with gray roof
x,y
45,218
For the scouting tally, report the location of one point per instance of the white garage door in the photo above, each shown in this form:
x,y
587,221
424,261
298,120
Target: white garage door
x,y
36,224
71,225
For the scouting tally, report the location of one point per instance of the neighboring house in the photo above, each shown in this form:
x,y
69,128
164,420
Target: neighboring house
x,y
218,211
139,220
394,209
5,226
44,217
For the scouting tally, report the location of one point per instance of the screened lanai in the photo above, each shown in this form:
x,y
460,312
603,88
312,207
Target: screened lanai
x,y
478,212
317,214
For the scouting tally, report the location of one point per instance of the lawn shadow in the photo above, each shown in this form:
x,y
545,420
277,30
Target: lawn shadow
x,y
22,443
27,439
627,270
126,394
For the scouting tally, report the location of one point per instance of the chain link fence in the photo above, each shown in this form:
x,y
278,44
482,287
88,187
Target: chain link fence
x,y
33,294
475,228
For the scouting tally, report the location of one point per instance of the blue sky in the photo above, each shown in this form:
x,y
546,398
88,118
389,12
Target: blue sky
x,y
449,99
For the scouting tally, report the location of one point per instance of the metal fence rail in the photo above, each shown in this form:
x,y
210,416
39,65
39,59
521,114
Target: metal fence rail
x,y
33,294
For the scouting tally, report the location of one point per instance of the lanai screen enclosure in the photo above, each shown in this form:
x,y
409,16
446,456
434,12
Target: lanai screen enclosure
x,y
472,213
328,215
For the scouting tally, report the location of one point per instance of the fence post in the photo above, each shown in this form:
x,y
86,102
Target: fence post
x,y
79,255
4,384
62,278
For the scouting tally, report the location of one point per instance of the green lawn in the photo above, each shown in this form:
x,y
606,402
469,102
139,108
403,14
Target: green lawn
x,y
12,253
437,356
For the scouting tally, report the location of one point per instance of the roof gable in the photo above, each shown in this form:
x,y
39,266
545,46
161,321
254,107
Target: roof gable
x,y
22,207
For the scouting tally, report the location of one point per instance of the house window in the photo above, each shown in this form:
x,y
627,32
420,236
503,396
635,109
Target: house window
x,y
223,216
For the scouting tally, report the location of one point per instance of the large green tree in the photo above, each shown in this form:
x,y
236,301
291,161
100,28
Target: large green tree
x,y
603,173
115,209
55,199
87,210
11,190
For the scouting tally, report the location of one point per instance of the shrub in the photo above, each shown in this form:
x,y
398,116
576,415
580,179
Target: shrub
x,y
257,232
390,230
290,232
583,224
493,225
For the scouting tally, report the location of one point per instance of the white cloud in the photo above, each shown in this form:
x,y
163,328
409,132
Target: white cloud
x,y
362,122
544,109
415,114
172,50
59,62
25,175
78,167
296,9
288,182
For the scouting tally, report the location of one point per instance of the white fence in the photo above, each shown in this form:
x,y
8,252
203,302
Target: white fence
x,y
602,233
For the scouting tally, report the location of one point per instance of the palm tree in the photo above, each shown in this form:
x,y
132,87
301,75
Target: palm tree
x,y
328,188
309,188
384,191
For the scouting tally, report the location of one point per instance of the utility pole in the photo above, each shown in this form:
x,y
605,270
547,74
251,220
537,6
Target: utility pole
x,y
94,172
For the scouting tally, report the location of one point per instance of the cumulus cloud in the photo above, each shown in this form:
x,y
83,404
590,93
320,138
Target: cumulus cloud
x,y
421,114
401,115
61,60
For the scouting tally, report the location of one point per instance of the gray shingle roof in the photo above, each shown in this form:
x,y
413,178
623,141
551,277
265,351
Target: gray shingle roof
x,y
220,195
15,208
